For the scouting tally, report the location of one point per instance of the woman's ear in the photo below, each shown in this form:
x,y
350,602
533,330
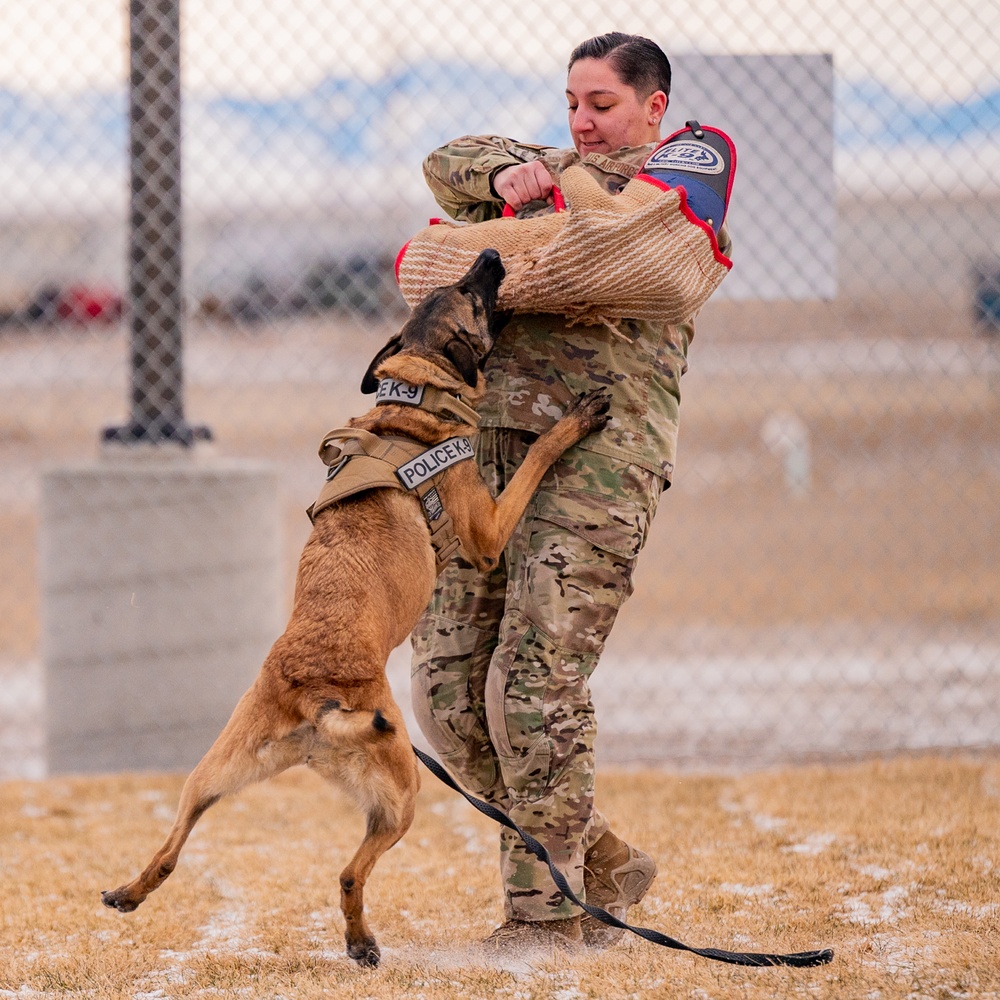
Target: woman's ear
x,y
656,106
369,383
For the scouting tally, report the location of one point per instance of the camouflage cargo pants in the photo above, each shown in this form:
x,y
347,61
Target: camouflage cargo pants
x,y
502,661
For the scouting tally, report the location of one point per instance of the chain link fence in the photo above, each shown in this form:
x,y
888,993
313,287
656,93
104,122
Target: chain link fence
x,y
823,578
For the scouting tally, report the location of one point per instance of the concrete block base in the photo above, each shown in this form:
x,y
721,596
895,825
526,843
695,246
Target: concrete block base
x,y
161,595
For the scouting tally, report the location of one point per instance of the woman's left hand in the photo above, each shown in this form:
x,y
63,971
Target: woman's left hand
x,y
522,183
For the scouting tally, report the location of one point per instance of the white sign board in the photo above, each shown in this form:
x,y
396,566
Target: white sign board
x,y
779,112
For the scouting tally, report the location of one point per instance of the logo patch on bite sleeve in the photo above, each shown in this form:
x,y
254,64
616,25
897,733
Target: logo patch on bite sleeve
x,y
688,154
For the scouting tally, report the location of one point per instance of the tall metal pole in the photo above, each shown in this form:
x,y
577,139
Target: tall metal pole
x,y
155,291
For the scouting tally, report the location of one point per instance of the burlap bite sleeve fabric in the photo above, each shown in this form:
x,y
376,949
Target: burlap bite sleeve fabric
x,y
640,254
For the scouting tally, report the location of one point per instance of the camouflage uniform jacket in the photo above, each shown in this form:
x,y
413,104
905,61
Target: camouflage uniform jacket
x,y
541,362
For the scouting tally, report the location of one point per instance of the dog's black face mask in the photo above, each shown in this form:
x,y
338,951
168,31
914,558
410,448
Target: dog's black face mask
x,y
458,323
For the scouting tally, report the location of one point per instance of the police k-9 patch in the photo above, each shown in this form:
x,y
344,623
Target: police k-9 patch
x,y
434,460
391,391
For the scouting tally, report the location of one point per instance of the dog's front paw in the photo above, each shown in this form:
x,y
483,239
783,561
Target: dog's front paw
x,y
591,410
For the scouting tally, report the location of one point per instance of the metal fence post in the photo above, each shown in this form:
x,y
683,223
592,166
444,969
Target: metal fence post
x,y
155,286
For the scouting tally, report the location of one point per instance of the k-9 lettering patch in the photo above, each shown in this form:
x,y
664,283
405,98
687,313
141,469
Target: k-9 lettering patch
x,y
391,391
434,460
696,157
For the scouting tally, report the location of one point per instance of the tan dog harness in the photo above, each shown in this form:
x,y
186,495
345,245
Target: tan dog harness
x,y
359,461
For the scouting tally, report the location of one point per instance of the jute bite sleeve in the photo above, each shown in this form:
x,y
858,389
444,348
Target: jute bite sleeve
x,y
641,254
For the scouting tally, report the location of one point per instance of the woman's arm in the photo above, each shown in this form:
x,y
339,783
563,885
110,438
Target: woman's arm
x,y
461,174
725,240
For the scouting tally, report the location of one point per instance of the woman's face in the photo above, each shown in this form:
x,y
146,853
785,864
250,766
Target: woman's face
x,y
605,113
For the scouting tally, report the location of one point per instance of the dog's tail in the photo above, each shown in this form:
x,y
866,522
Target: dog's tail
x,y
337,719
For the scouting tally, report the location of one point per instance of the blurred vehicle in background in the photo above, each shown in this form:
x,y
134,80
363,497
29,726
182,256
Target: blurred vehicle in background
x,y
77,303
986,295
358,285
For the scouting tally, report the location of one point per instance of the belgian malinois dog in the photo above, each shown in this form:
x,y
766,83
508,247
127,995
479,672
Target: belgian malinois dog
x,y
365,576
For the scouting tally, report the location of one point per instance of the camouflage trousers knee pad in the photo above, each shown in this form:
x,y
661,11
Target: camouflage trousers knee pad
x,y
447,689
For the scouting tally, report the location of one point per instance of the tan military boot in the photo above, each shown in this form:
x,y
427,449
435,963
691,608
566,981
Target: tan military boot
x,y
615,877
518,937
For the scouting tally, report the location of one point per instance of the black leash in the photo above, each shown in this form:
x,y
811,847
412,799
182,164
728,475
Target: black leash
x,y
799,960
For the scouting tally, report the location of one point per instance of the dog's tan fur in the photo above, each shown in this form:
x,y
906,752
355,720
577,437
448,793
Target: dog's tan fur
x,y
366,574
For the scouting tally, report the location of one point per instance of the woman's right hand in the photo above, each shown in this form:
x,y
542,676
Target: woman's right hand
x,y
522,183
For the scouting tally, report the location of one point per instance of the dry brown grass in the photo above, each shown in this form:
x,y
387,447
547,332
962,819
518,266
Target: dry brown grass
x,y
894,864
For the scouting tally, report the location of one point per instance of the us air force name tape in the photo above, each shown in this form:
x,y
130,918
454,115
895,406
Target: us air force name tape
x,y
434,460
392,391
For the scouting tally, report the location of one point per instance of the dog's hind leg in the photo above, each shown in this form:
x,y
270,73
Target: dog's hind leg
x,y
382,832
379,770
243,753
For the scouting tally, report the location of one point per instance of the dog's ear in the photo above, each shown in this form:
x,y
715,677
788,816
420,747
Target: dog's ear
x,y
461,356
369,383
499,320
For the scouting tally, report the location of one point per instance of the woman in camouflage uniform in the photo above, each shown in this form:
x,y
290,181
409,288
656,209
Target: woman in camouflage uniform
x,y
502,660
